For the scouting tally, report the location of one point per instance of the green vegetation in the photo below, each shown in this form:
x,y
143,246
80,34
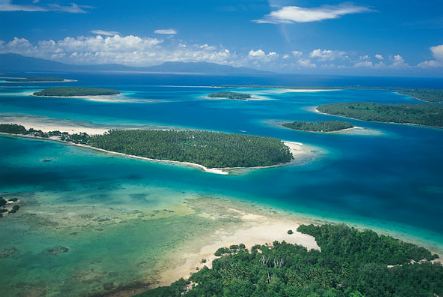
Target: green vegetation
x,y
319,126
230,95
418,114
290,232
210,149
13,199
428,95
350,263
75,91
14,209
13,129
2,202
82,138
35,79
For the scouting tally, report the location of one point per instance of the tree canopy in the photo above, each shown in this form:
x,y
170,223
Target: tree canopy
x,y
76,91
318,126
418,114
350,263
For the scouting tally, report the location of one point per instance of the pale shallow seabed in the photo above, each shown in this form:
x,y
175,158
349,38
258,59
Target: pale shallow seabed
x,y
129,224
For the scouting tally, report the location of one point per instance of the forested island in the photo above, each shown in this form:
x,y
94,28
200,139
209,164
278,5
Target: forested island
x,y
35,79
418,114
230,95
428,95
76,91
319,126
210,149
350,263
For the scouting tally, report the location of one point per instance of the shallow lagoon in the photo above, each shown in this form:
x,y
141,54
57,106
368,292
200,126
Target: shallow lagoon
x,y
122,219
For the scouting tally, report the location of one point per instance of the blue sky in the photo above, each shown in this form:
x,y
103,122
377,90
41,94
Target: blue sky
x,y
292,36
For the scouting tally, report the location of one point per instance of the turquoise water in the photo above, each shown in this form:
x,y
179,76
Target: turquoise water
x,y
393,181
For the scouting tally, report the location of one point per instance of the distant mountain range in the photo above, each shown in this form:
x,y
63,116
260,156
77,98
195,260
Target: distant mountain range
x,y
15,62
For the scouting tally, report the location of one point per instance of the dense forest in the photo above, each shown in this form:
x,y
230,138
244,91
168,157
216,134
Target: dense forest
x,y
35,79
429,95
210,149
230,95
319,126
350,263
418,114
76,91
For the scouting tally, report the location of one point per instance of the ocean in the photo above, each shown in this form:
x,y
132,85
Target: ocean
x,y
119,217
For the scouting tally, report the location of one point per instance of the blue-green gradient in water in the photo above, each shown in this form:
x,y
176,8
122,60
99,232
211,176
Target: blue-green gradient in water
x,y
390,181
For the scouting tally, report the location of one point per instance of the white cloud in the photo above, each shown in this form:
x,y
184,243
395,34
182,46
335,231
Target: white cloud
x,y
256,54
306,63
295,14
326,55
5,5
286,56
166,31
380,57
260,55
399,62
365,57
364,64
105,33
207,47
437,52
297,53
127,50
430,64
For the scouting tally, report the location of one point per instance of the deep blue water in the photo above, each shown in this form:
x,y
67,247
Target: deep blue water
x,y
392,179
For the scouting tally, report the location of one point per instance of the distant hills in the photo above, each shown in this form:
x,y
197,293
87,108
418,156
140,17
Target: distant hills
x,y
15,62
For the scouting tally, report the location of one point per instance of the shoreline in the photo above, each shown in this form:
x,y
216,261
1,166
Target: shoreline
x,y
297,149
356,130
314,109
260,224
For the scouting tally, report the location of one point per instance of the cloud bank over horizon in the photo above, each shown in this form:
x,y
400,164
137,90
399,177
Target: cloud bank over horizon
x,y
108,47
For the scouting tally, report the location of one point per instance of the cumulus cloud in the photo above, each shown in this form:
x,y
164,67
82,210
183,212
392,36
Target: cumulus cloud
x,y
364,64
166,31
399,62
306,63
295,14
297,53
326,55
105,33
262,56
380,57
437,52
6,5
127,50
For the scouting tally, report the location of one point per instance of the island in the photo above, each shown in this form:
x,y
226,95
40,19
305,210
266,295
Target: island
x,y
201,148
210,149
35,79
430,115
230,95
319,126
75,91
349,263
426,95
